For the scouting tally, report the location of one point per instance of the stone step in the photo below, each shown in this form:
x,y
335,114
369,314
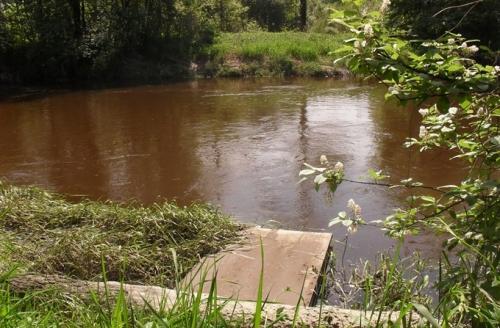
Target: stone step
x,y
291,259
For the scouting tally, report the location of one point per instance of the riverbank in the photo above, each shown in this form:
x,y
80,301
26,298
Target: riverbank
x,y
67,263
258,54
43,233
233,55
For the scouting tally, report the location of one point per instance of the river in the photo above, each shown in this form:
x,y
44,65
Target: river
x,y
238,144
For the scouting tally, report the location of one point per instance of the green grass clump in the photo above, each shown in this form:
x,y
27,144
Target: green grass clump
x,y
270,49
47,234
54,308
257,45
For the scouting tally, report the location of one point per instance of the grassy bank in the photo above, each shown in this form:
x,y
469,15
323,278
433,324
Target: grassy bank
x,y
45,233
273,54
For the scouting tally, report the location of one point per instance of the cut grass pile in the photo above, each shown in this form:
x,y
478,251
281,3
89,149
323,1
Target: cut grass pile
x,y
273,53
45,233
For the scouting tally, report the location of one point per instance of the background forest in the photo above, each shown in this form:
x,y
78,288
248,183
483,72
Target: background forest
x,y
53,41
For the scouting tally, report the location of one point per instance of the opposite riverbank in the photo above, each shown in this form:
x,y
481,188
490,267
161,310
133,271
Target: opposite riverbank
x,y
234,55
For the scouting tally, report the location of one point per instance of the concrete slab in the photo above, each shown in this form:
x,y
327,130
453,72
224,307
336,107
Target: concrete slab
x,y
288,256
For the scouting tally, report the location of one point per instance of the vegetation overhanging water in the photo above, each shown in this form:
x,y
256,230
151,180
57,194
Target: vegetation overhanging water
x,y
450,77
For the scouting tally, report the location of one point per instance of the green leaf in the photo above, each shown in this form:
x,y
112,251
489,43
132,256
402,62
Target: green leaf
x,y
443,104
319,179
496,282
318,169
465,101
302,180
343,49
306,172
455,67
425,312
334,221
377,175
257,318
428,199
347,222
495,140
483,87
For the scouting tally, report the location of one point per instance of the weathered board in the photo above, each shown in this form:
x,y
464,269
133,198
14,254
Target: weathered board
x,y
291,259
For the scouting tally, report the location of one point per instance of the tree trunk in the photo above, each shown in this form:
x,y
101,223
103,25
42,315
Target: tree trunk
x,y
158,297
76,12
303,15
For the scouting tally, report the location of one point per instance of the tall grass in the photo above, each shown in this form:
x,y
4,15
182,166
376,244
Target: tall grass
x,y
390,284
273,53
291,45
50,308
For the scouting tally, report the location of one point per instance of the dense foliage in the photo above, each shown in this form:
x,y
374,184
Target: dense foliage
x,y
79,39
459,102
75,40
433,18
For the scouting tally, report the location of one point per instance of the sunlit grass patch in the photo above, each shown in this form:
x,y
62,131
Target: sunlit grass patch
x,y
296,45
263,53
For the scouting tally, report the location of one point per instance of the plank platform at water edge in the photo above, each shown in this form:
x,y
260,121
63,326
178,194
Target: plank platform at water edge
x,y
292,259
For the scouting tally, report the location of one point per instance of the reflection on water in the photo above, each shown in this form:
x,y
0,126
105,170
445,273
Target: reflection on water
x,y
238,144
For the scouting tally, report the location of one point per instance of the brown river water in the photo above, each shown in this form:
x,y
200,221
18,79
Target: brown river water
x,y
238,144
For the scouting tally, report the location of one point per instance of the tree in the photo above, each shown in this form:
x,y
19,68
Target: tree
x,y
54,40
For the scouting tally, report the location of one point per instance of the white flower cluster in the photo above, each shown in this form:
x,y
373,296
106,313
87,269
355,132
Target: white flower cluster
x,y
453,111
423,111
468,50
423,132
445,121
355,208
385,5
359,45
339,167
356,219
351,220
368,31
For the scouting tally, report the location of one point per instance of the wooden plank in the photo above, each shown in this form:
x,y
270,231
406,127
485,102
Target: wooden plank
x,y
288,256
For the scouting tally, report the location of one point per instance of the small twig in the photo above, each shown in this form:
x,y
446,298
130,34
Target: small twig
x,y
392,185
463,17
426,217
344,252
457,6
